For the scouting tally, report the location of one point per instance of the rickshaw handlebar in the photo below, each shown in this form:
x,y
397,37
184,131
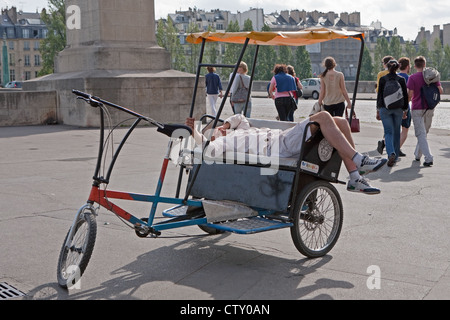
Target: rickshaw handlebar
x,y
166,129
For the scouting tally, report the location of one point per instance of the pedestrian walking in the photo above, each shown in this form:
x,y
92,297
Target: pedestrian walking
x,y
281,86
422,117
295,94
239,91
392,102
333,92
404,69
381,74
213,88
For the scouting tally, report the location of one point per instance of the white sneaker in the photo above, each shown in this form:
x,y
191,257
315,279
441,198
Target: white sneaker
x,y
361,185
369,164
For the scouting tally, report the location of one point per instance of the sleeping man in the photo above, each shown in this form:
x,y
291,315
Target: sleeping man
x,y
237,136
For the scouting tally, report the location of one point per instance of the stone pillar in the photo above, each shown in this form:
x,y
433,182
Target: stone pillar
x,y
112,53
108,34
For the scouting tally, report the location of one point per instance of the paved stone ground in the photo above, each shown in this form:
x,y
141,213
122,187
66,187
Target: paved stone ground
x,y
45,176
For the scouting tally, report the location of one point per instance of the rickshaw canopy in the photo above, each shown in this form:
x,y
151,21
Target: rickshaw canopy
x,y
286,38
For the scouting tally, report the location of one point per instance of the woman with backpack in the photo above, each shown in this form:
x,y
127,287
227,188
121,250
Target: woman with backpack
x,y
239,91
392,102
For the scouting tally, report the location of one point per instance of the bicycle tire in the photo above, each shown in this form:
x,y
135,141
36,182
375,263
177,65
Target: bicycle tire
x,y
73,260
317,220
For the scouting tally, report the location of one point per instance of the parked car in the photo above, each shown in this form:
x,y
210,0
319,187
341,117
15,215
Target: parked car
x,y
311,88
14,84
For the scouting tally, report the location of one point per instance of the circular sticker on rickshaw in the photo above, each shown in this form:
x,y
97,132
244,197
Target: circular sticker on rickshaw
x,y
325,150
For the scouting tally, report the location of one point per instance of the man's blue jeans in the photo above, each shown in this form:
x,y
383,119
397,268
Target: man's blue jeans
x,y
392,122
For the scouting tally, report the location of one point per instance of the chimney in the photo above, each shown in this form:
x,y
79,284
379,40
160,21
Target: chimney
x,y
12,14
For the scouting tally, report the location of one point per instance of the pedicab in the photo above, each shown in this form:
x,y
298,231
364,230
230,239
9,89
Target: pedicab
x,y
243,194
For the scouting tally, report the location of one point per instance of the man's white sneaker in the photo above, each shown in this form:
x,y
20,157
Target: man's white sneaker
x,y
369,164
361,185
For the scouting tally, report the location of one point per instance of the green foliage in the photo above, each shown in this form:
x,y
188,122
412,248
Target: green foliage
x,y
302,63
366,66
232,51
381,50
266,60
167,37
395,48
55,20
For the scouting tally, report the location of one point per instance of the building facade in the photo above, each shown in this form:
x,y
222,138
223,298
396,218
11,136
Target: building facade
x,y
429,36
23,33
346,51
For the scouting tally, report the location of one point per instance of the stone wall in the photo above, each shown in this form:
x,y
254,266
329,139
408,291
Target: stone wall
x,y
20,108
165,96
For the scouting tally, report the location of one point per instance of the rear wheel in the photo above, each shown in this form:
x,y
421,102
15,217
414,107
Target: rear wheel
x,y
318,217
74,258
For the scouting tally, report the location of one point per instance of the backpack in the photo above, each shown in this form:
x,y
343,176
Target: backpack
x,y
393,94
241,93
430,92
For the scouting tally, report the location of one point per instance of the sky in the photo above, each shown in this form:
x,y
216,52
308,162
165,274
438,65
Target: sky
x,y
407,16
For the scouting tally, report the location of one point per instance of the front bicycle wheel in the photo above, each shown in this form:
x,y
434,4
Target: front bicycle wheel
x,y
317,219
74,258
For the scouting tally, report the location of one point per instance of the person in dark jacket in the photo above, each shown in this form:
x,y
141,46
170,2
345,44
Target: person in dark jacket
x,y
391,116
213,88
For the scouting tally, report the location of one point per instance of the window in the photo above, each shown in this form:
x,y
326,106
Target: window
x,y
37,60
27,75
27,60
10,33
11,45
12,75
12,59
26,45
26,33
37,45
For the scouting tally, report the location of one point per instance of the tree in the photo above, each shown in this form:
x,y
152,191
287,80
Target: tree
x,y
285,55
423,49
211,54
193,56
302,63
249,54
445,72
266,60
366,66
410,50
55,20
232,50
436,55
395,47
167,37
381,50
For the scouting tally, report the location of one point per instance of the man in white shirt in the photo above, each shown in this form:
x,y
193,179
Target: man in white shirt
x,y
236,135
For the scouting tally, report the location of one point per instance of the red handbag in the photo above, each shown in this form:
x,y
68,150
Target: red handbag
x,y
354,125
